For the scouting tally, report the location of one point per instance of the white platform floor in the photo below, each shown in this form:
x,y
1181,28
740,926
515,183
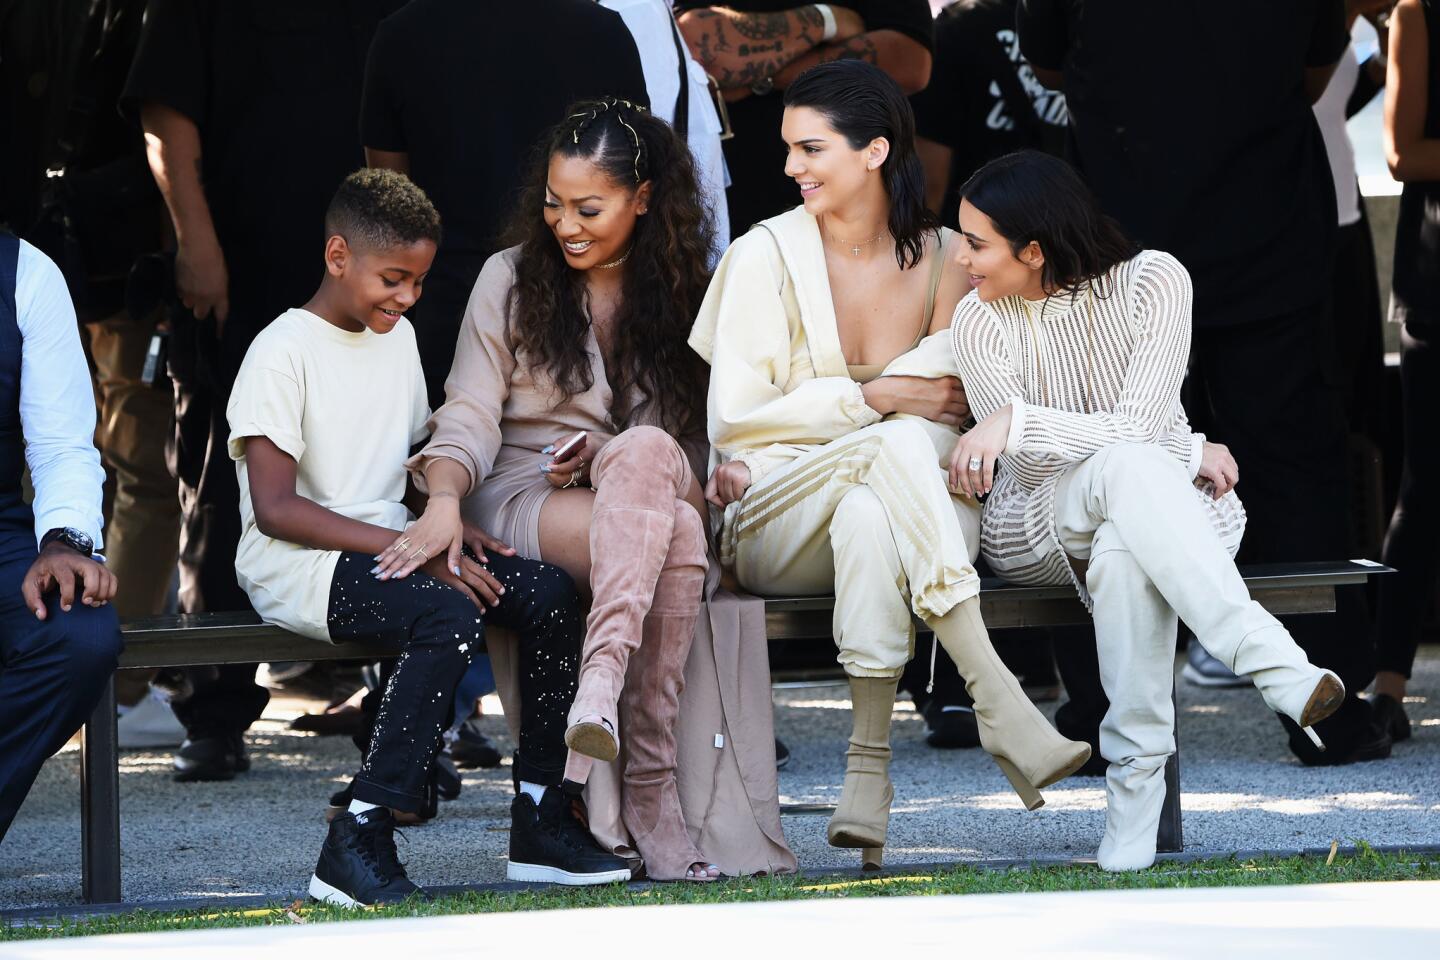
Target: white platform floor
x,y
1315,922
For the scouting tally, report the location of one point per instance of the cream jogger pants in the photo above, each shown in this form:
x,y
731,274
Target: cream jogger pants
x,y
1152,554
868,517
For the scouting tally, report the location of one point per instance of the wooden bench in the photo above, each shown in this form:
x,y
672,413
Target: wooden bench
x,y
208,639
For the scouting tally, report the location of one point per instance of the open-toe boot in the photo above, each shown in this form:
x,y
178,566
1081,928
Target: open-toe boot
x,y
650,704
1028,750
862,817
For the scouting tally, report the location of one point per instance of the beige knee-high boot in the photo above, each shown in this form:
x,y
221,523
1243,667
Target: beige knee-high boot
x,y
650,706
1029,751
862,817
637,478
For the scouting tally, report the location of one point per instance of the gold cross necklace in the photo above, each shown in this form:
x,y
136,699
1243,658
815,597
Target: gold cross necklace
x,y
855,247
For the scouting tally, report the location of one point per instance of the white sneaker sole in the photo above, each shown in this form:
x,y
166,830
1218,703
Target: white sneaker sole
x,y
325,893
1191,675
535,873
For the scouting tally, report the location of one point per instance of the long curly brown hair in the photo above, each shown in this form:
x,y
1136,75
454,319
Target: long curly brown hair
x,y
665,276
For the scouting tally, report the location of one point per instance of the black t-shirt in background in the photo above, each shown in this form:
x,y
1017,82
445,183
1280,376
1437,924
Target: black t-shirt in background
x,y
274,88
972,109
1189,120
755,156
107,194
468,90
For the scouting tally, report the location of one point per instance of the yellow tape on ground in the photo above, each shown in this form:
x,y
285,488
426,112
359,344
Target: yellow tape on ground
x,y
873,882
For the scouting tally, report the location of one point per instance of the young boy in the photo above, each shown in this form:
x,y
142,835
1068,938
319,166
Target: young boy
x,y
328,402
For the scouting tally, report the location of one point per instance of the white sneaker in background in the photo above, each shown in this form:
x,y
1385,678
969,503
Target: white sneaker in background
x,y
150,723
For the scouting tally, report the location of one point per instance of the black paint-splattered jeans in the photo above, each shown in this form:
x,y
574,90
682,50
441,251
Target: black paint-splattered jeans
x,y
438,630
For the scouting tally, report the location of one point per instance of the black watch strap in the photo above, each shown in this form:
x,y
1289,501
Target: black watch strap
x,y
66,536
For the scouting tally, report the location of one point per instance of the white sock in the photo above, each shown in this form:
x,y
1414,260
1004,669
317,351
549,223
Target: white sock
x,y
360,806
532,790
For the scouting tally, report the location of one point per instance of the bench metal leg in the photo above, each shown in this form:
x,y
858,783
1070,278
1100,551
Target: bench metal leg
x,y
100,803
1169,838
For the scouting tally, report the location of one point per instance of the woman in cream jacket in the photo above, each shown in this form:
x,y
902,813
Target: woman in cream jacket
x,y
829,472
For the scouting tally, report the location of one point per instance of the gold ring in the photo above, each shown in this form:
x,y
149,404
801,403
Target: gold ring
x,y
403,544
421,551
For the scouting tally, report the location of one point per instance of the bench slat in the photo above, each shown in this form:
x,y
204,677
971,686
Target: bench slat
x,y
216,638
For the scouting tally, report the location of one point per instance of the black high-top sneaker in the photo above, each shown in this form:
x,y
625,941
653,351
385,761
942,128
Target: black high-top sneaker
x,y
548,844
359,865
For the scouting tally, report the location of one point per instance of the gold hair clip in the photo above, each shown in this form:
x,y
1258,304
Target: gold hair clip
x,y
594,114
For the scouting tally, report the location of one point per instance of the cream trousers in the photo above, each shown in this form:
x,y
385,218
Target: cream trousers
x,y
1152,554
867,517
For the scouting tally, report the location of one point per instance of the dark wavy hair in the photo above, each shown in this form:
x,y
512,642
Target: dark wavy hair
x,y
665,276
862,102
1030,195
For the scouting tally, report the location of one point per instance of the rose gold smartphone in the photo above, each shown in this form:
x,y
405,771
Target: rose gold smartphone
x,y
563,452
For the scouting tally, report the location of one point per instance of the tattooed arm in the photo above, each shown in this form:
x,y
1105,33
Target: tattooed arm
x,y
742,49
901,56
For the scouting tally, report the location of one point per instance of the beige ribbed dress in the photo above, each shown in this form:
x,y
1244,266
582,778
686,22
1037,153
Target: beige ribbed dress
x,y
1082,371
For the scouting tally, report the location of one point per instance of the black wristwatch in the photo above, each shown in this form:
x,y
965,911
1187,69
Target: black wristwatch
x,y
76,540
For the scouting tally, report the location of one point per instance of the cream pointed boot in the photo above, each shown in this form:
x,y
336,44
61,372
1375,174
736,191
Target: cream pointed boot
x,y
862,817
1028,750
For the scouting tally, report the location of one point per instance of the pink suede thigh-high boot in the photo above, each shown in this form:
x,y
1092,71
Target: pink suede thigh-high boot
x,y
637,478
650,704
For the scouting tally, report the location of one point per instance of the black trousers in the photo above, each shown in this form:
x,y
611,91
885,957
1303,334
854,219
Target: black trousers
x,y
1261,389
1354,349
438,631
226,699
1412,545
52,672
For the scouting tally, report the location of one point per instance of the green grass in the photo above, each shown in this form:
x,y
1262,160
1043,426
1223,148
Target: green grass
x,y
1364,865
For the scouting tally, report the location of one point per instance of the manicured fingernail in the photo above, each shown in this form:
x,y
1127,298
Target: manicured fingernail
x,y
383,576
544,468
455,569
375,569
502,591
549,449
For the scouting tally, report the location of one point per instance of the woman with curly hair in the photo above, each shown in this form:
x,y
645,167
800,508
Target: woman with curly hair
x,y
573,429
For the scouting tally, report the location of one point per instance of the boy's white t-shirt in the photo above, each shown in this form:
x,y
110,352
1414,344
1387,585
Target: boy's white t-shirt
x,y
348,407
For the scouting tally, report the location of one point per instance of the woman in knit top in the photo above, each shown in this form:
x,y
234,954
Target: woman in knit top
x,y
1072,347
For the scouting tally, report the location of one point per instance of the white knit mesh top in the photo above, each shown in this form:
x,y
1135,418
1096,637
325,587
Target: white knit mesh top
x,y
1082,370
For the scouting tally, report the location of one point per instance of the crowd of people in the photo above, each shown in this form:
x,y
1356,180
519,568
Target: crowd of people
x,y
629,314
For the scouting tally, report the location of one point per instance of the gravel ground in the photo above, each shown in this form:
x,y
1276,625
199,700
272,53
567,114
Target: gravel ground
x,y
259,834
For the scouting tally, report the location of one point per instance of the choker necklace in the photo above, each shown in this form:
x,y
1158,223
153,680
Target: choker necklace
x,y
616,262
855,247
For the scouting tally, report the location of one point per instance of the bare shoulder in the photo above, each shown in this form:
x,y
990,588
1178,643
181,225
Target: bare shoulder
x,y
954,284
